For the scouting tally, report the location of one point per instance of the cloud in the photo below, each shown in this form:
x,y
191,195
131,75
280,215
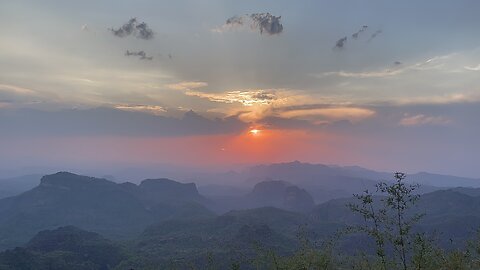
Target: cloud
x,y
132,27
327,112
362,75
235,21
265,22
374,35
421,119
152,109
16,90
129,120
434,63
340,43
187,85
245,97
455,98
262,22
141,54
356,34
475,68
143,31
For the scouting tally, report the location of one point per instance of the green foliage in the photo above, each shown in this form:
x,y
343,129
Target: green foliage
x,y
387,221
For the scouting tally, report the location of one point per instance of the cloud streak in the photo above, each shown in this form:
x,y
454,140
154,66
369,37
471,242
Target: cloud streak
x,y
475,68
187,85
326,112
435,63
141,55
245,97
374,35
152,109
421,120
356,34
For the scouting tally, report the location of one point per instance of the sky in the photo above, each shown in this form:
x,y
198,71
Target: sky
x,y
388,85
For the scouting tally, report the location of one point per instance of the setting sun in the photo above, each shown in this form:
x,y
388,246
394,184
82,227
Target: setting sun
x,y
255,131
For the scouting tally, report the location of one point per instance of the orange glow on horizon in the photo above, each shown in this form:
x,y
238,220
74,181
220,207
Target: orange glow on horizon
x,y
261,146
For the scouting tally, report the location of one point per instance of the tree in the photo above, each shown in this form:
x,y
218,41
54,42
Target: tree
x,y
387,219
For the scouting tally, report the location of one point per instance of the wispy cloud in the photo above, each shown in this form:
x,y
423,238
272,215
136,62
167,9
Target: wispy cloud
x,y
327,112
368,74
440,99
361,30
475,68
152,109
187,85
374,35
141,55
434,63
421,119
244,97
16,90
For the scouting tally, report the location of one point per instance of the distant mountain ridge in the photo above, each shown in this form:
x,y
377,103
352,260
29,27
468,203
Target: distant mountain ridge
x,y
281,194
283,170
326,182
114,210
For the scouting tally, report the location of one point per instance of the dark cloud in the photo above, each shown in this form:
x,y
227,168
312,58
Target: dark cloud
x,y
397,63
132,27
263,22
141,55
235,21
340,43
266,22
356,34
144,32
374,35
108,121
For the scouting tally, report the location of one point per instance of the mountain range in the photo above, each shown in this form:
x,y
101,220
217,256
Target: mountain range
x,y
161,221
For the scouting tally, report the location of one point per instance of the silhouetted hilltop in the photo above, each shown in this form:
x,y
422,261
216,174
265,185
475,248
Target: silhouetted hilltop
x,y
158,190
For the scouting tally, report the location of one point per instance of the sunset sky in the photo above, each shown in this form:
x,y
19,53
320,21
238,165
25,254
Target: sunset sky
x,y
82,85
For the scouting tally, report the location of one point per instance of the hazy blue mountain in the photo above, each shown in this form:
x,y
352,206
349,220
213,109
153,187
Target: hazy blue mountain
x,y
468,191
64,248
321,181
326,182
232,233
99,205
213,190
438,180
454,215
281,194
267,193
